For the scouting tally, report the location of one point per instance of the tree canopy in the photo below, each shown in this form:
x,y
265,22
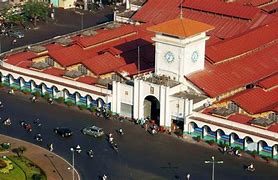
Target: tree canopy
x,y
35,10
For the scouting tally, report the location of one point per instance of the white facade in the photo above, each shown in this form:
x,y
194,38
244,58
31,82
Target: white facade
x,y
177,57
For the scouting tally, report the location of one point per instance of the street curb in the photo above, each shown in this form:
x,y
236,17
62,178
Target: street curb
x,y
44,150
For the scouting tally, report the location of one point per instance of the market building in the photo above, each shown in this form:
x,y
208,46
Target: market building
x,y
200,74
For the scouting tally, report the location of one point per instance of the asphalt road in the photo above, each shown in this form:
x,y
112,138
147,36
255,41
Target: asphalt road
x,y
140,156
66,21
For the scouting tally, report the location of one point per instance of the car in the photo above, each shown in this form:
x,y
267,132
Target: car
x,y
63,131
16,34
93,131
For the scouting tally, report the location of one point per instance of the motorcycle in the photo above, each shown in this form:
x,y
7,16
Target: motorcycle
x,y
7,122
91,153
120,131
38,138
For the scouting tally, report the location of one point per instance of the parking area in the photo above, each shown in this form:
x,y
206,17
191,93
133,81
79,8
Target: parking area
x,y
65,21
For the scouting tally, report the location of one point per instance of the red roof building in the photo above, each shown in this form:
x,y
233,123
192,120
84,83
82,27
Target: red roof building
x,y
257,100
54,71
87,80
240,118
14,59
103,64
269,82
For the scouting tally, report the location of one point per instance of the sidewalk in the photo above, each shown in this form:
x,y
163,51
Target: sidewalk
x,y
54,166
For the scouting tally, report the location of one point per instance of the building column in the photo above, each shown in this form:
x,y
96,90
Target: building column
x,y
274,150
140,101
162,102
136,99
167,116
43,89
77,98
21,83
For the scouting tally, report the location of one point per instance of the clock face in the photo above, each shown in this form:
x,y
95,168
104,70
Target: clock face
x,y
194,56
169,56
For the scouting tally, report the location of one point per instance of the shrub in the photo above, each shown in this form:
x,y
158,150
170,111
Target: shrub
x,y
82,107
8,167
37,177
1,85
254,153
46,96
36,93
93,109
198,138
69,103
60,100
25,91
3,164
210,142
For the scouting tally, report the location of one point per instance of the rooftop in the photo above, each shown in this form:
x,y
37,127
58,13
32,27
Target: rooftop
x,y
183,27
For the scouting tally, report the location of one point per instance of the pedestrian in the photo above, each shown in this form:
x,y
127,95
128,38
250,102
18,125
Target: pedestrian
x,y
50,147
146,127
14,41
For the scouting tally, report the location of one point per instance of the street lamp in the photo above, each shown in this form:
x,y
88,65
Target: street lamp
x,y
188,176
72,150
213,162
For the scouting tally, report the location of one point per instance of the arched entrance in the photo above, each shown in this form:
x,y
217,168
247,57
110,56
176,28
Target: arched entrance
x,y
152,108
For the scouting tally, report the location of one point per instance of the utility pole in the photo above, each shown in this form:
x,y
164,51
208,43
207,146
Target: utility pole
x,y
138,59
213,162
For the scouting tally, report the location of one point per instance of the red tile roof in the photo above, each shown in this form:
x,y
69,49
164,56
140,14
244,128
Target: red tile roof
x,y
252,2
218,79
107,35
103,64
248,41
273,128
71,55
157,11
183,27
257,100
87,80
240,118
269,82
220,7
131,69
14,59
270,7
54,71
24,64
53,47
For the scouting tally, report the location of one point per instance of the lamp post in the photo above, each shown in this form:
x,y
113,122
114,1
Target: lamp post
x,y
72,150
213,162
188,176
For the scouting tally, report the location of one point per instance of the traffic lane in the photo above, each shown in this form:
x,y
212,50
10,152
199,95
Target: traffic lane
x,y
139,152
66,21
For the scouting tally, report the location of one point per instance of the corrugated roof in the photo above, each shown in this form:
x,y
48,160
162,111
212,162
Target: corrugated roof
x,y
270,7
248,41
18,57
107,35
157,11
24,64
182,27
87,80
103,64
273,128
269,82
240,118
53,47
130,69
220,7
257,100
218,79
71,55
54,71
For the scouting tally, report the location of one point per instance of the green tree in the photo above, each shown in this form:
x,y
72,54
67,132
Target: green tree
x,y
16,18
35,10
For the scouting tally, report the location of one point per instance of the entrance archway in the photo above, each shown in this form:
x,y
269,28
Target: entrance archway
x,y
152,108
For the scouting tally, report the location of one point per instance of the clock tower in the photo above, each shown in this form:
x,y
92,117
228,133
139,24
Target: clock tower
x,y
179,47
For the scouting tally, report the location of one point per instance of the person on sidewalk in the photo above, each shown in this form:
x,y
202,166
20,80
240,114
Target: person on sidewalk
x,y
50,147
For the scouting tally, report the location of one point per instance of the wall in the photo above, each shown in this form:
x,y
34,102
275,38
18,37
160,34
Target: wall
x,y
234,125
39,59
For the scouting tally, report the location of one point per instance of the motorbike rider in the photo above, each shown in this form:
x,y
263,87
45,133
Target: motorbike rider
x,y
104,177
78,149
91,153
121,131
38,137
7,122
50,147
